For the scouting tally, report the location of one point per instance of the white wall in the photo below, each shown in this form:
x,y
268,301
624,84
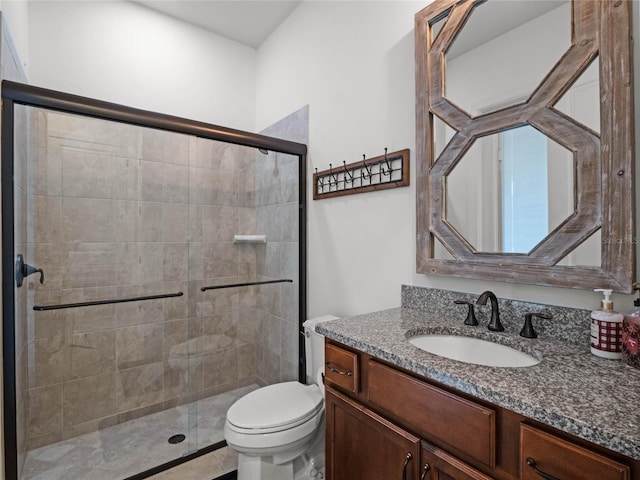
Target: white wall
x,y
353,63
126,53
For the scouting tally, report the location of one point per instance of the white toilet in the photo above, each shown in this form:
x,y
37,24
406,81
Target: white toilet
x,y
278,430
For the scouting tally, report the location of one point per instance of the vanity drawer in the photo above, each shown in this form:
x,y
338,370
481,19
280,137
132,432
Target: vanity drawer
x,y
562,459
341,368
439,416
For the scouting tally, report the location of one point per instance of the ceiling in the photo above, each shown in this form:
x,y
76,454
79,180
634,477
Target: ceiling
x,y
248,22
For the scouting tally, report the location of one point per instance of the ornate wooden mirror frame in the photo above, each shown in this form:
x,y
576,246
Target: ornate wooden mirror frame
x,y
604,183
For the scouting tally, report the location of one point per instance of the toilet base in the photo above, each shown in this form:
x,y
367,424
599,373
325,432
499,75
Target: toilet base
x,y
308,466
259,468
262,468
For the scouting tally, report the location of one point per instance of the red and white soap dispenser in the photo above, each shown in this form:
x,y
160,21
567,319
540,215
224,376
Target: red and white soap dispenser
x,y
606,329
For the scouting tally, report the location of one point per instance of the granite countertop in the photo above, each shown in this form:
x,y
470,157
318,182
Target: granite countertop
x,y
570,389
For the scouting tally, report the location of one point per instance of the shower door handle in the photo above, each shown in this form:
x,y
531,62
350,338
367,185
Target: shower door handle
x,y
23,270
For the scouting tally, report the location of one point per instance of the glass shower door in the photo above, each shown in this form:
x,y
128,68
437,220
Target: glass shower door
x,y
163,278
107,222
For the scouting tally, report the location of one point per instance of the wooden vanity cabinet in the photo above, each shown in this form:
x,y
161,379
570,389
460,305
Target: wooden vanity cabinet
x,y
362,445
381,418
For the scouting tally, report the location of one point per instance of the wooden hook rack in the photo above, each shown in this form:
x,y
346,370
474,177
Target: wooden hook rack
x,y
390,170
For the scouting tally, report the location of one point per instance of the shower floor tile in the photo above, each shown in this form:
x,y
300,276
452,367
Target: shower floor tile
x,y
118,452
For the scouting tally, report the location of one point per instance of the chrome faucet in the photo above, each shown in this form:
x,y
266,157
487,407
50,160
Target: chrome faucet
x,y
494,324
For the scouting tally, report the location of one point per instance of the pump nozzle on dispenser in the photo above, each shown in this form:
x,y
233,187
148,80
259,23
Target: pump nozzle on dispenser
x,y
606,303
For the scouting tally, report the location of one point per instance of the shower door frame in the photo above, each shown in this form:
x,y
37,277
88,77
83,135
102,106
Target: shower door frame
x,y
14,93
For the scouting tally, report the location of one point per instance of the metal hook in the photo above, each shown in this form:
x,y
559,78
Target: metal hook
x,y
335,179
366,167
386,160
319,180
348,177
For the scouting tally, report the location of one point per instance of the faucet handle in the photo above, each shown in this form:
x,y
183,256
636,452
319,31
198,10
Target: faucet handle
x,y
471,314
527,329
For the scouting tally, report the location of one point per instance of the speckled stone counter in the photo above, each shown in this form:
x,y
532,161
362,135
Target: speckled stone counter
x,y
570,389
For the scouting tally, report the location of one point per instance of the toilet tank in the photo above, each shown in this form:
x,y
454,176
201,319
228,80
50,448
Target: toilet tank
x,y
314,346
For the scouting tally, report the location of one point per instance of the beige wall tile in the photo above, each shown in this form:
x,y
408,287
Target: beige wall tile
x,y
92,353
175,222
176,184
149,222
49,361
152,181
139,345
89,399
47,220
122,138
214,155
92,172
150,264
219,260
176,262
165,147
140,386
93,220
247,326
246,362
289,336
176,307
288,371
93,318
267,366
44,407
219,224
45,166
221,367
46,324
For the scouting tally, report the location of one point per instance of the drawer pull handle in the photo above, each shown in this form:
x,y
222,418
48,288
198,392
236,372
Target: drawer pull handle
x,y
532,463
406,464
337,370
425,471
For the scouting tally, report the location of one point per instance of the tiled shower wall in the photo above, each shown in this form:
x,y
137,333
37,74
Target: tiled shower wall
x,y
121,211
277,206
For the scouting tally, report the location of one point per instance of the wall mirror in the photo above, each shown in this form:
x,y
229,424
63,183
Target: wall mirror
x,y
525,149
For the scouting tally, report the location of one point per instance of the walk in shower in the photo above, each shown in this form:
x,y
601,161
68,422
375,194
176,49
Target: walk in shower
x,y
153,272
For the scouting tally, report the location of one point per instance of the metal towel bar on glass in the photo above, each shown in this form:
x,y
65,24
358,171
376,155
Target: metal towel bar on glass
x,y
247,284
41,308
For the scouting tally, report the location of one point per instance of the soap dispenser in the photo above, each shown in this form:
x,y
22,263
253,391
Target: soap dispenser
x,y
606,329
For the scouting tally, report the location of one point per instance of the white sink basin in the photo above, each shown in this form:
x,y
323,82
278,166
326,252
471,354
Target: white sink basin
x,y
473,350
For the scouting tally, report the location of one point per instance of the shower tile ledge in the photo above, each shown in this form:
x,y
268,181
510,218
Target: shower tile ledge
x,y
570,389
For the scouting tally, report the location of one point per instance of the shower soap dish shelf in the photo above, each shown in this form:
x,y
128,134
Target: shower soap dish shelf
x,y
249,239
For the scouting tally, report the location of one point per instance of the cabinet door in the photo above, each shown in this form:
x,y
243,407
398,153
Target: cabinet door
x,y
543,455
437,464
364,446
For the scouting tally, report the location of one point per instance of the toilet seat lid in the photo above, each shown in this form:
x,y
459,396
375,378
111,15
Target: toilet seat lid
x,y
279,405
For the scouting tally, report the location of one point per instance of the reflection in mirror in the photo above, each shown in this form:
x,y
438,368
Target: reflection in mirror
x,y
588,254
504,51
442,133
436,27
440,252
510,190
581,101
